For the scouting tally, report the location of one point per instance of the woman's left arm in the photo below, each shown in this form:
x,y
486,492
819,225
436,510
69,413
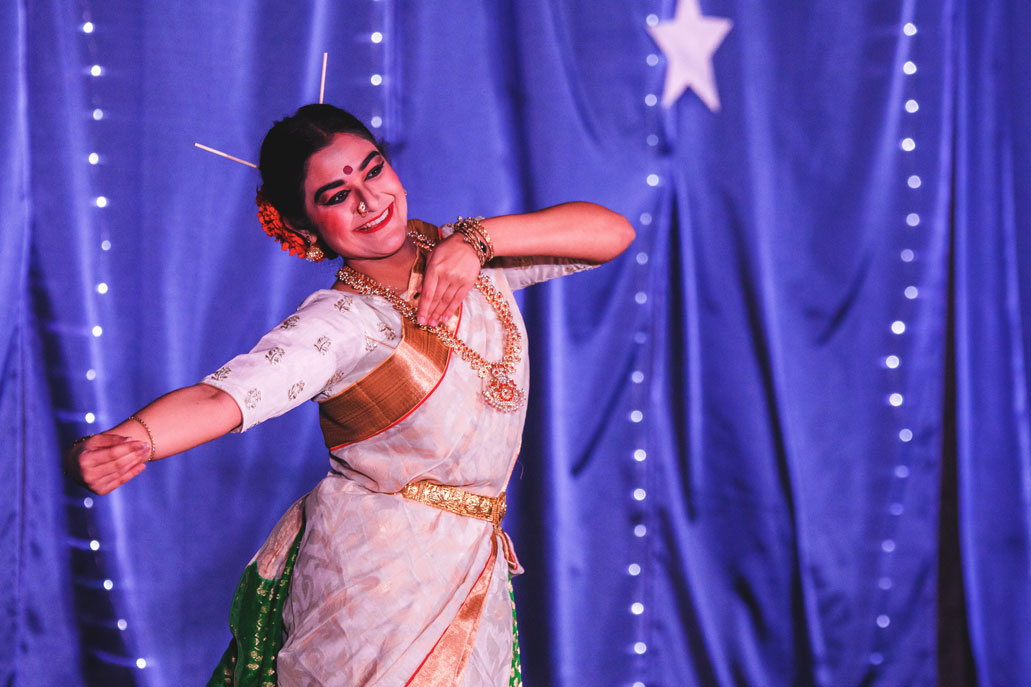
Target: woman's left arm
x,y
585,231
588,232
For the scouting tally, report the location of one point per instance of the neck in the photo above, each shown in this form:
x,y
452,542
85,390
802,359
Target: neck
x,y
391,271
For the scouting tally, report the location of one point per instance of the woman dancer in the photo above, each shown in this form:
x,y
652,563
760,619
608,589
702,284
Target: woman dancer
x,y
394,570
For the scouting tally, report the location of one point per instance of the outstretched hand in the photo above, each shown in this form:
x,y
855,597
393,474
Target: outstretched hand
x,y
450,272
105,462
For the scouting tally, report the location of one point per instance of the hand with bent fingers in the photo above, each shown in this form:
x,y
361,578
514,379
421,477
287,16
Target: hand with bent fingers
x,y
105,462
450,272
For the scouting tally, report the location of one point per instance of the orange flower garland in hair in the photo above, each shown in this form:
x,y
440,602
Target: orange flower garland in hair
x,y
272,223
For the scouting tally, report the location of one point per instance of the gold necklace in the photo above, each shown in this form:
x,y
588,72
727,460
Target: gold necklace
x,y
500,392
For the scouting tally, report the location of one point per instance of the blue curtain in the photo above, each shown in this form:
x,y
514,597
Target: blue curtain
x,y
784,440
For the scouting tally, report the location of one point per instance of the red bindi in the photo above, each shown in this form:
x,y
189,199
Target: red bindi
x,y
348,169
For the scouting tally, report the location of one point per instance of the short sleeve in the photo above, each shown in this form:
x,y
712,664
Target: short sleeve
x,y
291,364
526,271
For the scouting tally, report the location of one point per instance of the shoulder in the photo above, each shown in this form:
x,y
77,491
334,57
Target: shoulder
x,y
327,299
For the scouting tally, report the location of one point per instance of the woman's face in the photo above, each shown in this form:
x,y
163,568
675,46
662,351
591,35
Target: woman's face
x,y
347,172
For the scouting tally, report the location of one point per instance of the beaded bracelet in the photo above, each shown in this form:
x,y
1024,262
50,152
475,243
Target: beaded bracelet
x,y
153,446
82,439
474,233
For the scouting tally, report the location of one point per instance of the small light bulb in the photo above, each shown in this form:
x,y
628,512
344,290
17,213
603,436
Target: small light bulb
x,y
905,435
376,79
97,330
642,258
639,494
96,70
909,67
895,399
652,59
641,297
91,374
650,100
101,288
122,624
913,219
101,202
636,416
90,418
912,106
640,647
105,245
637,377
637,608
93,158
892,361
640,455
911,292
913,181
651,19
98,114
633,569
652,140
141,663
376,37
653,179
898,327
94,545
109,585
640,530
646,218
908,144
87,27
909,29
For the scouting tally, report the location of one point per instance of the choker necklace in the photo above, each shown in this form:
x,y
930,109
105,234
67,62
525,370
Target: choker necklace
x,y
500,392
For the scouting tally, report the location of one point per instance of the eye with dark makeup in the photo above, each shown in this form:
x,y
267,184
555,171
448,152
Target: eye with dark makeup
x,y
341,195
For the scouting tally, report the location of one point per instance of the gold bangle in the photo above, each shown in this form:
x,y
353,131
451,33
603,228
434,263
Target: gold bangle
x,y
82,439
475,234
153,446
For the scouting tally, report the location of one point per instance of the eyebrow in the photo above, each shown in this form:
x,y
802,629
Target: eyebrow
x,y
340,182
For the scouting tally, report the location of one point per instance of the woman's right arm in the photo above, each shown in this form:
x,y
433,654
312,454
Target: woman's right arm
x,y
178,421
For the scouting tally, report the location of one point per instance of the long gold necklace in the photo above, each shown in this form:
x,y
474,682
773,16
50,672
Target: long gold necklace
x,y
500,392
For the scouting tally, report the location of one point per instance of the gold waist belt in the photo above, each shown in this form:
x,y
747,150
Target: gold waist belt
x,y
458,501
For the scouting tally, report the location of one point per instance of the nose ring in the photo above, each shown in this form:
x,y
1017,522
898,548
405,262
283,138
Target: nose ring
x,y
362,209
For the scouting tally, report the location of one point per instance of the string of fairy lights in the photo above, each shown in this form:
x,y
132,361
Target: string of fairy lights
x,y
893,362
635,606
98,600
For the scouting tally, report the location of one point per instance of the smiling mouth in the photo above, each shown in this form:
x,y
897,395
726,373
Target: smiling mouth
x,y
378,221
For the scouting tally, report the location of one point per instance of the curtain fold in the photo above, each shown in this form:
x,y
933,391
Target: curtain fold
x,y
993,304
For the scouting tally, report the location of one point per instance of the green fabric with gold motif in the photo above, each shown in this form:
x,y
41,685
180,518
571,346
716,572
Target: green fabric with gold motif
x,y
256,620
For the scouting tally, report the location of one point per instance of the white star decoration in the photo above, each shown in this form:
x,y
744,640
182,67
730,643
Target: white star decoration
x,y
689,42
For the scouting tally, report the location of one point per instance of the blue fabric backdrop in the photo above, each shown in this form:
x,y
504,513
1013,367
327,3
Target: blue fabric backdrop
x,y
795,267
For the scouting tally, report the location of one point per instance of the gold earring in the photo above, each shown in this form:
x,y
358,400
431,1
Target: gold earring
x,y
362,208
314,254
